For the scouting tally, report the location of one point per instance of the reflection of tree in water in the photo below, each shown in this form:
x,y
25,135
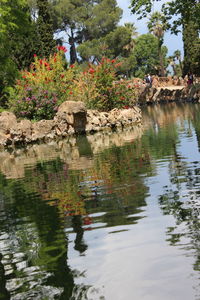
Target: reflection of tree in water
x,y
78,229
34,233
182,201
4,294
196,123
181,197
110,192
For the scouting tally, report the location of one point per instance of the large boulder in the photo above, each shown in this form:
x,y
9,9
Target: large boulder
x,y
7,121
72,113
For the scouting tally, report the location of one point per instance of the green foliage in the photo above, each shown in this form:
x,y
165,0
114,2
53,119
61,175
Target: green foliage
x,y
112,45
88,23
38,92
94,50
179,8
45,28
146,55
187,14
117,41
191,48
17,40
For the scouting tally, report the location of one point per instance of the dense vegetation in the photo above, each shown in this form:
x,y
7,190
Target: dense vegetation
x,y
91,32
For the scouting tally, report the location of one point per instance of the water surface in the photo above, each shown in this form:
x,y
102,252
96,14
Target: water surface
x,y
109,216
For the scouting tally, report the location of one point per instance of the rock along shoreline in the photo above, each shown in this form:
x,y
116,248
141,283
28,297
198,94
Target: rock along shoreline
x,y
73,118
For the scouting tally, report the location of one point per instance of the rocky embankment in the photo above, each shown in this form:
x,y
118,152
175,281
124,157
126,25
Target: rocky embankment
x,y
71,118
169,94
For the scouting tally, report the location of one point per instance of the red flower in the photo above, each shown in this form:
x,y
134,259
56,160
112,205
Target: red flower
x,y
113,61
70,92
91,70
62,48
117,65
62,75
34,55
87,221
71,66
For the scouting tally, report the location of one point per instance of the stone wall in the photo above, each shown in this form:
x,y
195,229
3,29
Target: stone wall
x,y
71,118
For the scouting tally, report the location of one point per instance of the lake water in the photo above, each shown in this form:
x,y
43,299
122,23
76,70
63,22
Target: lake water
x,y
110,216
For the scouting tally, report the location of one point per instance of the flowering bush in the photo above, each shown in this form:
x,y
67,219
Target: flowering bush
x,y
98,87
40,90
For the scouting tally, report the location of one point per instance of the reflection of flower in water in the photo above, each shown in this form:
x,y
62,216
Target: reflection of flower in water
x,y
69,204
87,220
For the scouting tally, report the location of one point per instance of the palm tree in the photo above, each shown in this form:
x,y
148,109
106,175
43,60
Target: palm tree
x,y
133,30
171,62
177,55
158,25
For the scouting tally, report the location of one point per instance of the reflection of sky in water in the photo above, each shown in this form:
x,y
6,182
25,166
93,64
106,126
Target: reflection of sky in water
x,y
188,147
139,260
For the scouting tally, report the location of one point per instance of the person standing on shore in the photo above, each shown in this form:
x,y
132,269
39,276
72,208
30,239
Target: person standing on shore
x,y
148,80
190,79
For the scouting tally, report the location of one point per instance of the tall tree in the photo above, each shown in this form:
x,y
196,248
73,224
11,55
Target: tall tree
x,y
171,61
177,55
188,16
158,25
45,27
133,31
17,40
86,23
146,55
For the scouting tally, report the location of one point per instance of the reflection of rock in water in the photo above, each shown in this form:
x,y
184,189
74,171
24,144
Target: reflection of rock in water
x,y
12,165
164,114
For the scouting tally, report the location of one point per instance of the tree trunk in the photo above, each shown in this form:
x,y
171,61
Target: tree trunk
x,y
161,67
73,53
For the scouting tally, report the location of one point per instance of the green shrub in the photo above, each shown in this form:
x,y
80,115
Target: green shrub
x,y
39,91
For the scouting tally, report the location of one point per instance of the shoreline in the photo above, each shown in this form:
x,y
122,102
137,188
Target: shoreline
x,y
73,117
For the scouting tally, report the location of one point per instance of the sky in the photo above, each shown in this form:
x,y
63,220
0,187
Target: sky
x,y
172,42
